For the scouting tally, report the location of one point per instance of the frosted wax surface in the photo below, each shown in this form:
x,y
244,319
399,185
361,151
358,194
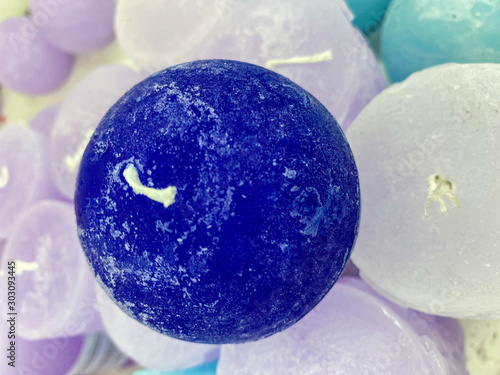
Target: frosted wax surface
x,y
44,121
312,43
245,148
352,331
78,117
160,33
75,26
418,34
54,286
41,357
24,173
29,64
162,353
441,122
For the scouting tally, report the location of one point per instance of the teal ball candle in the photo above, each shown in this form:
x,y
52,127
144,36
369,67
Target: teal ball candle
x,y
423,33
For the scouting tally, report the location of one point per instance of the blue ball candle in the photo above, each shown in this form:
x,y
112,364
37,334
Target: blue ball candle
x,y
217,202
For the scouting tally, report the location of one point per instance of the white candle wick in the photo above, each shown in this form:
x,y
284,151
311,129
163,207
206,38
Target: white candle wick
x,y
165,196
320,57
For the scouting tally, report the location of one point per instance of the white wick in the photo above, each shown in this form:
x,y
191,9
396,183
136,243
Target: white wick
x,y
22,266
320,57
4,177
165,196
72,162
437,189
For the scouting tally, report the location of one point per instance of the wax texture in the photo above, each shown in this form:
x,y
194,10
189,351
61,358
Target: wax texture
x,y
428,158
312,43
266,211
55,291
163,353
366,335
424,33
29,64
74,26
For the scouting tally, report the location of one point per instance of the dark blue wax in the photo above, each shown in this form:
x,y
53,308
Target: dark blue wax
x,y
266,212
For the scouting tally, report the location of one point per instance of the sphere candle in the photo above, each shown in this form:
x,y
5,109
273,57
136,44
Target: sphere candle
x,y
24,173
59,356
423,33
75,26
28,64
428,156
217,202
54,288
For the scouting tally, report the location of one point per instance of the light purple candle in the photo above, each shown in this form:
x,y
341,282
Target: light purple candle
x,y
161,353
44,121
55,293
79,115
24,173
28,64
58,356
353,331
311,42
74,26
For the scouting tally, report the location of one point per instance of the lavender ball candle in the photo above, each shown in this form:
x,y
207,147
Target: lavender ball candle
x,y
217,202
160,33
354,331
428,156
312,43
24,173
28,64
58,356
74,26
54,289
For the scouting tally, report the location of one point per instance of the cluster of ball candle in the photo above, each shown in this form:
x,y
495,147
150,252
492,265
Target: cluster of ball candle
x,y
193,206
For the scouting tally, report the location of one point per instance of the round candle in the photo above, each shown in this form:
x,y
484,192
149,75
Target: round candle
x,y
54,288
24,173
217,202
423,33
312,43
74,26
28,64
157,34
353,331
69,355
428,157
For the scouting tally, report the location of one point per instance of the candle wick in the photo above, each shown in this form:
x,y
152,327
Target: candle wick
x,y
72,162
165,196
22,266
438,188
320,57
4,176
